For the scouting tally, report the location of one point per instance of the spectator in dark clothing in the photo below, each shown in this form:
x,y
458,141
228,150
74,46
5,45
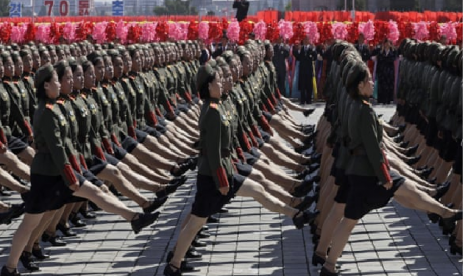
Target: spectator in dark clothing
x,y
281,53
242,7
362,48
205,56
386,55
306,55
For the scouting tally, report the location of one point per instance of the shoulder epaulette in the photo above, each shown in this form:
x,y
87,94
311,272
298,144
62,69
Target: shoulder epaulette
x,y
366,102
49,106
214,105
60,101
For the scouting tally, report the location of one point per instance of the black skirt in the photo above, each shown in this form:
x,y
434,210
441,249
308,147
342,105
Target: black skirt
x,y
47,193
16,145
208,199
365,194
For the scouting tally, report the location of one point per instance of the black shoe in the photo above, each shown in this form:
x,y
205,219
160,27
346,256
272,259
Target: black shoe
x,y
404,144
212,219
76,221
192,253
317,260
413,160
452,240
143,221
5,272
326,272
442,190
87,214
171,270
434,218
313,167
172,186
302,174
197,243
401,128
203,235
184,266
310,138
182,168
425,173
67,232
4,192
432,180
28,262
410,151
449,223
17,210
308,111
398,138
5,217
94,206
306,217
454,249
39,254
301,148
57,241
305,187
316,158
156,203
306,203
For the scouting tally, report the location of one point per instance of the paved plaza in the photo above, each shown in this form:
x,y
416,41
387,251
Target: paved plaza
x,y
249,240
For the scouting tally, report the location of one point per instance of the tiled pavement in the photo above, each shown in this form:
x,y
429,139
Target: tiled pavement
x,y
250,240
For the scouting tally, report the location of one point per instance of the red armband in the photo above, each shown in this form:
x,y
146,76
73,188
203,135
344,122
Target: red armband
x,y
69,174
170,108
115,140
188,96
271,106
72,159
256,132
222,178
273,100
385,159
157,110
132,132
153,118
240,154
278,93
107,145
385,170
83,161
246,141
264,124
254,141
99,153
28,127
3,137
264,108
178,97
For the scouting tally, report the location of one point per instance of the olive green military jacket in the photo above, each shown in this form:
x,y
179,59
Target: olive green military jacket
x,y
50,131
215,143
366,134
19,123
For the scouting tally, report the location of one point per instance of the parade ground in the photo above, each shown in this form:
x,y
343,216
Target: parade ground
x,y
249,240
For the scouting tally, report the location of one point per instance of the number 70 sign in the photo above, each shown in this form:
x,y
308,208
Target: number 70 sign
x,y
63,7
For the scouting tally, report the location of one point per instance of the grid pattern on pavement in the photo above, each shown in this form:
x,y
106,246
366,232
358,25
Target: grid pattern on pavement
x,y
249,240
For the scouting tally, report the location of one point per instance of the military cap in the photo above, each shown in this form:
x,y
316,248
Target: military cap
x,y
94,56
356,74
24,52
346,69
5,55
205,73
43,73
51,47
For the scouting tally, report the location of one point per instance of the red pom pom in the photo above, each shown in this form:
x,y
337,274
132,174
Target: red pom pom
x,y
30,34
193,31
352,32
5,32
134,33
299,33
162,31
215,32
459,29
325,30
110,31
246,29
272,32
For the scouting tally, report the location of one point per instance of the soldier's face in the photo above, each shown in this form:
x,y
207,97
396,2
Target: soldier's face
x,y
127,62
27,63
52,88
45,58
53,57
228,80
240,68
109,72
61,55
233,67
78,78
366,87
136,62
89,77
215,87
18,68
118,67
9,67
36,60
67,81
99,69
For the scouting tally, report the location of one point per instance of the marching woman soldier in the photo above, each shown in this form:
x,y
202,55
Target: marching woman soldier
x,y
372,184
53,180
216,182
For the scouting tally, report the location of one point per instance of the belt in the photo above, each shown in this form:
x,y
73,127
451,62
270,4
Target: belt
x,y
224,152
